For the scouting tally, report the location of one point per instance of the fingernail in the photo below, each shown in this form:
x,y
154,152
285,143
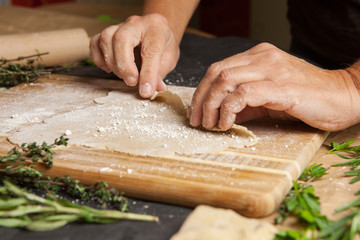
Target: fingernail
x,y
131,81
192,121
145,90
106,69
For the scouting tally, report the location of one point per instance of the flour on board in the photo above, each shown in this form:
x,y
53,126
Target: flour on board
x,y
123,122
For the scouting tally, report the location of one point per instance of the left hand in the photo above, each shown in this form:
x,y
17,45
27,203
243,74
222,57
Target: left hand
x,y
266,81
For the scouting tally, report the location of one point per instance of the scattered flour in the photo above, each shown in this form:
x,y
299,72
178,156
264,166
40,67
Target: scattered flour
x,y
124,123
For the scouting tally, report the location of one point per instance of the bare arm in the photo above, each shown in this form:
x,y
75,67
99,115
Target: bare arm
x,y
177,13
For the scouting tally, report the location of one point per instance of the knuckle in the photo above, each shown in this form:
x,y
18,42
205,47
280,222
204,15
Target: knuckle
x,y
132,18
120,35
214,69
105,37
265,46
275,55
225,77
243,90
146,71
146,75
227,106
195,102
150,49
207,105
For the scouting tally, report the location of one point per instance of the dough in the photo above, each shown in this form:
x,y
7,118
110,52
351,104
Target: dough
x,y
123,122
214,223
40,101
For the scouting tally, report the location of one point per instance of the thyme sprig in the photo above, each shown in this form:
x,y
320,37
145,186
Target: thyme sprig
x,y
33,57
12,74
33,152
18,164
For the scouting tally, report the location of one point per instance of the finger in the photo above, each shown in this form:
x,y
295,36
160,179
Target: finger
x,y
263,94
152,48
241,59
230,106
196,109
224,85
96,53
126,38
168,63
106,47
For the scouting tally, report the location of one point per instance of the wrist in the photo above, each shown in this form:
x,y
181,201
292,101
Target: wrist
x,y
176,33
177,13
354,72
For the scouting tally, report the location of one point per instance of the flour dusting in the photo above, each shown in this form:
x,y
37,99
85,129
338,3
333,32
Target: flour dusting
x,y
124,123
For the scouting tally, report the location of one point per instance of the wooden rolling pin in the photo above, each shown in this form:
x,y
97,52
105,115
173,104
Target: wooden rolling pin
x,y
64,46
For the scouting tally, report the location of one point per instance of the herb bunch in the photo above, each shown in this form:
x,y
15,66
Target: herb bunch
x,y
18,164
353,158
12,74
304,204
19,208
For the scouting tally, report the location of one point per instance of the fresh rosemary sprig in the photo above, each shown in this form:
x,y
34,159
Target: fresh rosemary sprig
x,y
313,173
353,155
19,208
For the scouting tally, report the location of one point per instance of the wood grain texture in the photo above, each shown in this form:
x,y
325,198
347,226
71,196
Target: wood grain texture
x,y
252,181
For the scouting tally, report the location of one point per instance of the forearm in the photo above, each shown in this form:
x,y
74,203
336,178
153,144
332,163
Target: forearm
x,y
178,13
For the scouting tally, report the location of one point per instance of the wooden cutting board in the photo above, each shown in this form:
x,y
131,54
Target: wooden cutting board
x,y
252,181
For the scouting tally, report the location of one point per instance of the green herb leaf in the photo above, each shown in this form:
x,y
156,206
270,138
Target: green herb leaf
x,y
313,172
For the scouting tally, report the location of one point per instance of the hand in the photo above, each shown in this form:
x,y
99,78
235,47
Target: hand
x,y
265,81
113,50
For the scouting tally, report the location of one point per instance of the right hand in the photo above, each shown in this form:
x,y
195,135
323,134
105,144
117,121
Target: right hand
x,y
113,51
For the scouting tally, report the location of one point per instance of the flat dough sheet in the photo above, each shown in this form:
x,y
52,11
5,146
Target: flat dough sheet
x,y
123,122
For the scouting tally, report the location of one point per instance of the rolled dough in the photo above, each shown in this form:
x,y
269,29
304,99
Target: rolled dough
x,y
123,122
210,223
